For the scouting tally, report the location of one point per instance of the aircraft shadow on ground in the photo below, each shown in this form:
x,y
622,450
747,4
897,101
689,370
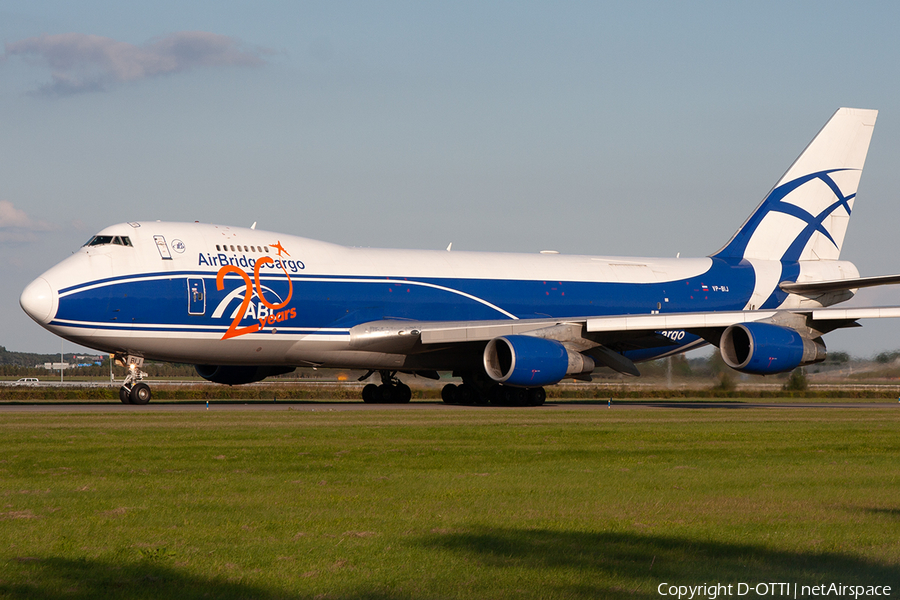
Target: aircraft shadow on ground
x,y
52,577
648,560
586,565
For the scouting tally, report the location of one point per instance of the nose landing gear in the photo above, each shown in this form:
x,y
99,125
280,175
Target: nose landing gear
x,y
133,390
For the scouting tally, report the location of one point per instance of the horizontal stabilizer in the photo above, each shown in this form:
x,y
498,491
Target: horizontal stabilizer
x,y
836,285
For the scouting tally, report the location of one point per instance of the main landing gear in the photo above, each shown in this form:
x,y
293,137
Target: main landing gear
x,y
476,390
497,395
133,390
391,390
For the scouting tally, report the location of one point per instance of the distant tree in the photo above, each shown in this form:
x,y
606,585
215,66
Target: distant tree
x,y
725,381
680,366
887,357
837,358
716,365
797,381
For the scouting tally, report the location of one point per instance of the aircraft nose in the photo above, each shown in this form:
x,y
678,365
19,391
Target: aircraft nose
x,y
37,300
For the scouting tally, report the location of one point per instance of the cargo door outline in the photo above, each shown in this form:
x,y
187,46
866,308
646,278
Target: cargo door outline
x,y
196,291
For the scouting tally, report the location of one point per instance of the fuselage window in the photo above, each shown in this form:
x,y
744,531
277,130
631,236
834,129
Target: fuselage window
x,y
267,249
218,249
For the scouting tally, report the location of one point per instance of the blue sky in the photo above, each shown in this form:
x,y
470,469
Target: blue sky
x,y
630,128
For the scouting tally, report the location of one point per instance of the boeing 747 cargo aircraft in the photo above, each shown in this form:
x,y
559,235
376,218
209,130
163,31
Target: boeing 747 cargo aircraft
x,y
244,304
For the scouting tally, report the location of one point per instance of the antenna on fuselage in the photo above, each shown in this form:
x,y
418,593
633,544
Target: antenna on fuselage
x,y
450,245
253,226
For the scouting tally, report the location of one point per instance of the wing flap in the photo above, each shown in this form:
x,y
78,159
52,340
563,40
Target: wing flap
x,y
676,321
445,333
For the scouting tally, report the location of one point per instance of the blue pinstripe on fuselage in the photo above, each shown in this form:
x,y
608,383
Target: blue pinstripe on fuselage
x,y
330,304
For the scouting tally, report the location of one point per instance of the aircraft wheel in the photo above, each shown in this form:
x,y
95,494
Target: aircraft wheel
x,y
536,396
497,395
385,394
402,394
125,395
140,393
448,393
516,396
466,395
370,393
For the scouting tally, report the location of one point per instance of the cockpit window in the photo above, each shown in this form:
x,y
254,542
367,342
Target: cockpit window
x,y
99,240
102,240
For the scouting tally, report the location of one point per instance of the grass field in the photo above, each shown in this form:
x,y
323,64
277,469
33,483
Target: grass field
x,y
552,502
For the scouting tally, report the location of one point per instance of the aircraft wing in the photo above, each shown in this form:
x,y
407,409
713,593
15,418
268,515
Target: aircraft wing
x,y
453,332
602,337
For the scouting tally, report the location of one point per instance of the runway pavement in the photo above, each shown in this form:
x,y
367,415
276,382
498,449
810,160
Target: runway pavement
x,y
309,406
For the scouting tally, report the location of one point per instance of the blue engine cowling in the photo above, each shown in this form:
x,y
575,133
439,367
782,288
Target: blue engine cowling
x,y
237,375
765,349
526,361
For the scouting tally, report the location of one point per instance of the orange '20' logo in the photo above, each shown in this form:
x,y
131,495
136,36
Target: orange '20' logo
x,y
235,330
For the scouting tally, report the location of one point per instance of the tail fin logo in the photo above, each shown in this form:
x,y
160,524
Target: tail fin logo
x,y
805,216
754,235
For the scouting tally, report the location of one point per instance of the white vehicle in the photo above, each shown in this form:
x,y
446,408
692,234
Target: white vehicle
x,y
27,381
244,304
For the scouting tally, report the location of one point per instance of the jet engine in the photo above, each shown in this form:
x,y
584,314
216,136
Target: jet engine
x,y
527,361
237,375
765,349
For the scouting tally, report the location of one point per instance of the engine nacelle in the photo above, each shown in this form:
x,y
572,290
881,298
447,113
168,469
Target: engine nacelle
x,y
527,361
237,375
765,349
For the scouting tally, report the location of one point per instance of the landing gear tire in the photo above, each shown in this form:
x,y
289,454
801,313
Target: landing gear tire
x,y
536,396
403,394
503,395
517,396
466,395
448,393
385,394
369,393
391,390
125,395
498,395
140,393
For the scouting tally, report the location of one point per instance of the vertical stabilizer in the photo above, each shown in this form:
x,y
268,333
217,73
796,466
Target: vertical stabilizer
x,y
805,216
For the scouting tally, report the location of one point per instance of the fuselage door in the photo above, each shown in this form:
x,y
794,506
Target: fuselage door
x,y
163,247
196,289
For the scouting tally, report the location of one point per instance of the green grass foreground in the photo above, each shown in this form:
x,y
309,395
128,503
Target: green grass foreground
x,y
469,503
